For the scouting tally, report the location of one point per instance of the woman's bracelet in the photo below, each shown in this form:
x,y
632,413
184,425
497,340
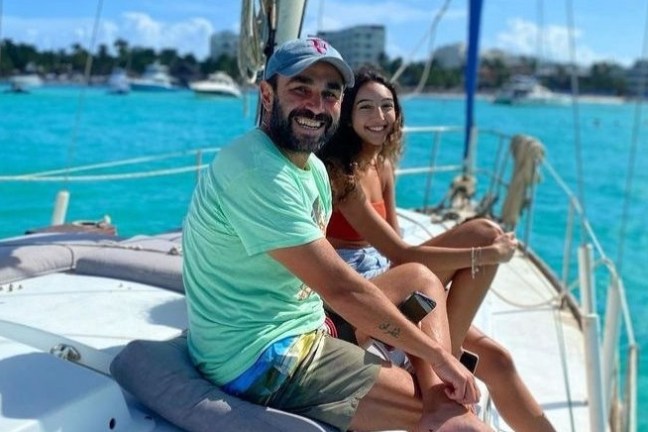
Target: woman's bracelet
x,y
475,258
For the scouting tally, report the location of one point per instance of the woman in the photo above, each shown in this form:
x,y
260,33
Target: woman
x,y
361,159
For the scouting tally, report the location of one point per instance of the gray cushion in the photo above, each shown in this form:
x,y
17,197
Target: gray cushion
x,y
40,254
150,260
160,374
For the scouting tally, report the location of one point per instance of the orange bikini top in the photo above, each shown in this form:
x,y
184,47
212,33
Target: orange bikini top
x,y
340,228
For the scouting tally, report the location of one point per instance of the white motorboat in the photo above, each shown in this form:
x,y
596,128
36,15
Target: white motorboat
x,y
118,82
526,90
73,296
24,83
218,84
155,78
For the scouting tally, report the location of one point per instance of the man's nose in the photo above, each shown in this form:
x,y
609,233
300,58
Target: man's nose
x,y
315,102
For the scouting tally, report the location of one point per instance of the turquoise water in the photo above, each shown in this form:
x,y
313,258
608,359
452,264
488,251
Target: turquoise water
x,y
57,127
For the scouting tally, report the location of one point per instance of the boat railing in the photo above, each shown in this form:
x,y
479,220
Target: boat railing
x,y
612,385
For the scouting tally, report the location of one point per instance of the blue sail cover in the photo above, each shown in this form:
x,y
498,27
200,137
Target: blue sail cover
x,y
470,74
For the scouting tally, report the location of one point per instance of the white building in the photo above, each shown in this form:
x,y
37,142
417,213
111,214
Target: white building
x,y
451,56
359,45
224,42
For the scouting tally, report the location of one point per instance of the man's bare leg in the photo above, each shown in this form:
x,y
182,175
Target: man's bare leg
x,y
394,402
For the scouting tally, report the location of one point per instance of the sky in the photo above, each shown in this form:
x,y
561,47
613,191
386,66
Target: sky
x,y
601,30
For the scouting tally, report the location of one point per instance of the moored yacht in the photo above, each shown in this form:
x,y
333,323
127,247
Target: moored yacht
x,y
24,83
218,83
526,90
118,82
155,78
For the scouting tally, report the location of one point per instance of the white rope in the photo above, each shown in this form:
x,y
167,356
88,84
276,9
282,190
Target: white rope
x,y
105,177
47,176
632,159
1,42
552,301
250,49
527,152
86,75
431,34
575,105
131,161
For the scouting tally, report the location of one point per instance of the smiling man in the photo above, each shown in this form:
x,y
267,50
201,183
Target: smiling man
x,y
257,267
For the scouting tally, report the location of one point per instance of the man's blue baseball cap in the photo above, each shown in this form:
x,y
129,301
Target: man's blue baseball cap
x,y
292,57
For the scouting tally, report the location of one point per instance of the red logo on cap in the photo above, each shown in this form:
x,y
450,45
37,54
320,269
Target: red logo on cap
x,y
319,45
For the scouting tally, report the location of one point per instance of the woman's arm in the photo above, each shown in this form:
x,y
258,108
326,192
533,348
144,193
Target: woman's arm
x,y
385,237
387,180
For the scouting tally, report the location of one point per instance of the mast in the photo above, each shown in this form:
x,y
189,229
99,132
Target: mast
x,y
285,23
470,82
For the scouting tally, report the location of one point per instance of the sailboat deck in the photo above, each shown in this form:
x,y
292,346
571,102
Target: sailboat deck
x,y
522,312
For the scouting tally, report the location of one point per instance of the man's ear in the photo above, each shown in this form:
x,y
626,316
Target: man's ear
x,y
267,95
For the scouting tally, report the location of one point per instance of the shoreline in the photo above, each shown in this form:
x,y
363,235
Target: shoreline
x,y
585,98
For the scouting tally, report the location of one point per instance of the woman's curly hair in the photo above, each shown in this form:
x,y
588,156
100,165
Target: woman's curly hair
x,y
340,154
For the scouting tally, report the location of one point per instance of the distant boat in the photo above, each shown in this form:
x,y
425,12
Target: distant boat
x,y
526,90
118,82
155,78
24,83
218,83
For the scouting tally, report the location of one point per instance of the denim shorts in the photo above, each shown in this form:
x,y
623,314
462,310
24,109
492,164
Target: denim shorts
x,y
366,261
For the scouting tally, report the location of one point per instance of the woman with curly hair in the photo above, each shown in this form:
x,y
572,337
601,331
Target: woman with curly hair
x,y
361,159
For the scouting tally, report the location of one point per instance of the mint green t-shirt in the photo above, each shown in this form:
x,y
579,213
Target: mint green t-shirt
x,y
250,201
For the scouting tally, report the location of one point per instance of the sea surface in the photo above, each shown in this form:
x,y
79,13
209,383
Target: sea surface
x,y
56,128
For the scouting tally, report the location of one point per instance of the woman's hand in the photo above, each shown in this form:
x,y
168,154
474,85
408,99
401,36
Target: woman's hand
x,y
504,246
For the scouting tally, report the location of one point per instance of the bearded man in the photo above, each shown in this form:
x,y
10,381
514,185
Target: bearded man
x,y
257,268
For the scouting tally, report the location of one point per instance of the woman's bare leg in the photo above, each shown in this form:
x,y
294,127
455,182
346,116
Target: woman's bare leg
x,y
395,394
466,292
513,400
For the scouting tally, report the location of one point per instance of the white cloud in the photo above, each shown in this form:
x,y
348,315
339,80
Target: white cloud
x,y
186,36
521,37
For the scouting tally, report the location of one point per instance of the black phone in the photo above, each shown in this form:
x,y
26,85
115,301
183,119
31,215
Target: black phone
x,y
417,306
469,360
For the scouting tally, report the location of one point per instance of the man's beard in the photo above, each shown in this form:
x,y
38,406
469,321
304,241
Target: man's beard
x,y
284,137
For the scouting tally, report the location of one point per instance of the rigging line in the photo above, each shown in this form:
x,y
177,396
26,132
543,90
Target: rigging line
x,y
131,161
107,177
643,70
1,42
575,107
429,34
428,63
540,39
86,76
320,16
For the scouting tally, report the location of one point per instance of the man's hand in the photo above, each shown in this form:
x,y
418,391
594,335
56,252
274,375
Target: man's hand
x,y
461,386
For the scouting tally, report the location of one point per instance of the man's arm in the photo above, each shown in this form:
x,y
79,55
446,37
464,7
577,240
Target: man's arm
x,y
365,306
